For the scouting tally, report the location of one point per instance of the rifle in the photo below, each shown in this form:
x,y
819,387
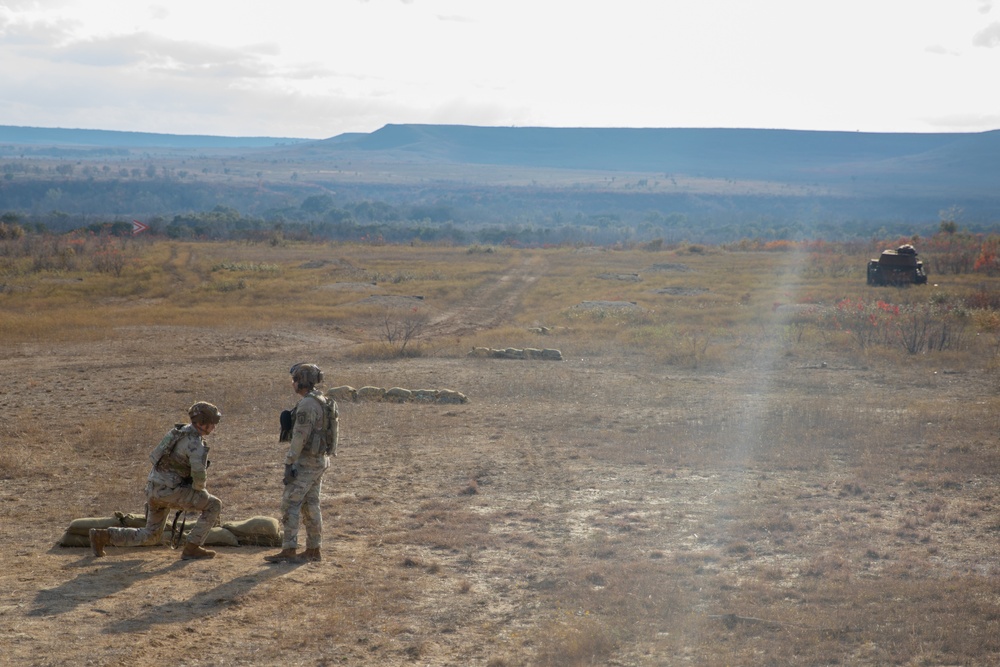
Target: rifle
x,y
177,535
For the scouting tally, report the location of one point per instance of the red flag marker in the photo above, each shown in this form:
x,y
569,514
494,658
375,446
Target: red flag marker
x,y
139,226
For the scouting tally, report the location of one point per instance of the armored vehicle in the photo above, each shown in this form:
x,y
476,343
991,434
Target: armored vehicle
x,y
897,267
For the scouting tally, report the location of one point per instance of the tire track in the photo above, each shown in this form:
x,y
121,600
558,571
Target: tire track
x,y
493,303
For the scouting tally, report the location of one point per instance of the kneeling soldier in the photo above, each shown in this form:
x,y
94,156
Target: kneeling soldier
x,y
177,481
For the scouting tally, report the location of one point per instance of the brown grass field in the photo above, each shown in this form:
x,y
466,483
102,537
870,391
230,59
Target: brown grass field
x,y
729,467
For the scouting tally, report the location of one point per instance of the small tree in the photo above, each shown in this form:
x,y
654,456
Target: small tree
x,y
989,257
110,256
400,327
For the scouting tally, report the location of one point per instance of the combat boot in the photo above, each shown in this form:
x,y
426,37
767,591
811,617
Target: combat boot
x,y
311,555
99,538
194,551
285,556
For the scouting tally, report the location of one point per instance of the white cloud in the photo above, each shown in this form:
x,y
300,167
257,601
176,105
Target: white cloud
x,y
455,18
988,37
158,12
301,68
16,31
937,49
966,122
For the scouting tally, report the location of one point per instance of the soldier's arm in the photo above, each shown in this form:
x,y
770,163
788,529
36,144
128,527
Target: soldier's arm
x,y
198,457
301,432
331,447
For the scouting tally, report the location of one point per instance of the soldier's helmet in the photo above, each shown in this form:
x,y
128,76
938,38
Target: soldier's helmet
x,y
204,413
306,375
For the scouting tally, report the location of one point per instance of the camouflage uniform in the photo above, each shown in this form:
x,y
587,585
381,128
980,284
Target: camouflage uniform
x,y
177,481
307,454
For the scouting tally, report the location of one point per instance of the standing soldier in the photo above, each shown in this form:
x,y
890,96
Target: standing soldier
x,y
313,439
177,481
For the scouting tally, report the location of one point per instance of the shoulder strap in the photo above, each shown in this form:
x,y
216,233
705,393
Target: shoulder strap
x,y
167,444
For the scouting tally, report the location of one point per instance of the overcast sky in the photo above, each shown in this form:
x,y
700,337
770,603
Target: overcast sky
x,y
316,69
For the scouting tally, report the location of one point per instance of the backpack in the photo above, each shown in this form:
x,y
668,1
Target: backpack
x,y
331,424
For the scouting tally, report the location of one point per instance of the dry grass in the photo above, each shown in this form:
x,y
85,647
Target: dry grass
x,y
716,477
721,308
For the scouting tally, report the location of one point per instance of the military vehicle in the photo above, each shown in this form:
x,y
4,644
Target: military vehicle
x,y
897,267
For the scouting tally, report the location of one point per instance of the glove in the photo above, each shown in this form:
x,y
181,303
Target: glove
x,y
290,473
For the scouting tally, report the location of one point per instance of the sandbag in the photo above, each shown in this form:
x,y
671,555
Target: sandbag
x,y
398,395
69,539
343,393
217,537
450,396
370,393
220,537
118,520
260,531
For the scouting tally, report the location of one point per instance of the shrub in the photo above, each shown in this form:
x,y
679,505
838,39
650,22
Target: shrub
x,y
916,327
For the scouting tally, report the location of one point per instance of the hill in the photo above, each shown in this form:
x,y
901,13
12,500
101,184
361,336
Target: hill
x,y
685,150
718,183
61,137
788,156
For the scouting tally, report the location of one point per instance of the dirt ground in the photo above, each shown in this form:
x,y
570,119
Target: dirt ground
x,y
476,534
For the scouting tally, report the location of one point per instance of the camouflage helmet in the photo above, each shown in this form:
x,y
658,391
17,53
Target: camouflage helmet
x,y
204,413
306,375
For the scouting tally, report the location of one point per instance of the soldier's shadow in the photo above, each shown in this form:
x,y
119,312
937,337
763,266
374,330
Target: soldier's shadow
x,y
205,603
110,577
105,577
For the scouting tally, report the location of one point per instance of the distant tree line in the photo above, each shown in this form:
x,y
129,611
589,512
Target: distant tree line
x,y
181,208
949,250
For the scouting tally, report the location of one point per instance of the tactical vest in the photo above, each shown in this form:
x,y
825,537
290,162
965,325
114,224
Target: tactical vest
x,y
165,457
323,440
